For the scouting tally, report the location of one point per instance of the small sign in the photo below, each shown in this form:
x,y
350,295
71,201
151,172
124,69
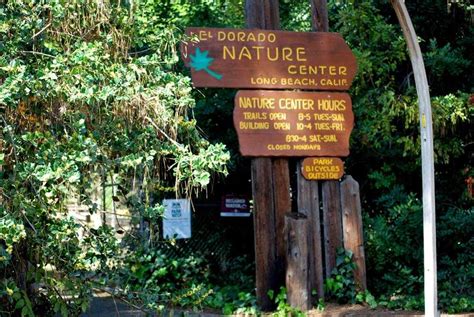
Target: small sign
x,y
177,219
235,206
238,58
322,168
290,123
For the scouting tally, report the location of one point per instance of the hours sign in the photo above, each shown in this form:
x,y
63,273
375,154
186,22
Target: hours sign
x,y
290,123
237,58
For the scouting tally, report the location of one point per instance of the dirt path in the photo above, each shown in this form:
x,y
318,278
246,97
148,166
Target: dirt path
x,y
104,305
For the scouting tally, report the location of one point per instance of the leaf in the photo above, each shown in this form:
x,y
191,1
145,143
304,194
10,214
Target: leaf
x,y
84,306
64,311
26,312
201,61
20,304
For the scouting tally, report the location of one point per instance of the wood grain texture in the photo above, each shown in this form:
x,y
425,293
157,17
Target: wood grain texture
x,y
298,284
319,16
264,228
332,224
308,204
352,228
264,14
282,201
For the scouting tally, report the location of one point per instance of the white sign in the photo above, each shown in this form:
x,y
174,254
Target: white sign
x,y
177,219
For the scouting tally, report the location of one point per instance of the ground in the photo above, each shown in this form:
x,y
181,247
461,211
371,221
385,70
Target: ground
x,y
105,306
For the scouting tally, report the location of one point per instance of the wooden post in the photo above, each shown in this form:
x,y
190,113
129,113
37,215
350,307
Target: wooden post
x,y
427,159
297,271
282,201
352,228
308,204
264,228
270,186
320,23
319,15
332,224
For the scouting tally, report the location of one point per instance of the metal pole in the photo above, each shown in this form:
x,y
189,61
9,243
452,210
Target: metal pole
x,y
427,159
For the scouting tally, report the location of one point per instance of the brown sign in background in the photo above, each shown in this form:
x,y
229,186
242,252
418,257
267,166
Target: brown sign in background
x,y
319,168
290,123
236,58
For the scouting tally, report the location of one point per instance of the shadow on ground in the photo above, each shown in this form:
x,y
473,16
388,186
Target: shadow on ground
x,y
107,306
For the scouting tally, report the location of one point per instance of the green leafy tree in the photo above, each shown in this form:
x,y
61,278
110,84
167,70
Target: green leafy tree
x,y
89,95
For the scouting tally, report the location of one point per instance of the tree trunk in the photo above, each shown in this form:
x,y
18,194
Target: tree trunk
x,y
270,186
297,270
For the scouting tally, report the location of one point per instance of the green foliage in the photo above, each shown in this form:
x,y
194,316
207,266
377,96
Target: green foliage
x,y
12,231
295,15
88,95
234,293
341,286
396,263
91,93
16,297
366,297
155,279
283,309
386,145
455,232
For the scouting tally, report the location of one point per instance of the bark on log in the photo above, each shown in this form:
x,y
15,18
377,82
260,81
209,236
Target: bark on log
x,y
332,223
282,201
264,228
352,228
270,200
308,204
297,270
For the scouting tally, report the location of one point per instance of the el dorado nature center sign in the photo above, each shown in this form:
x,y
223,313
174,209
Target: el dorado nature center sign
x,y
236,58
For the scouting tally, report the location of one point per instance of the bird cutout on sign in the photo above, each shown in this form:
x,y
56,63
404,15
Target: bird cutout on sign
x,y
201,61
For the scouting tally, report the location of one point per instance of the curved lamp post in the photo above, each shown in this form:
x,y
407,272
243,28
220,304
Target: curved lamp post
x,y
427,160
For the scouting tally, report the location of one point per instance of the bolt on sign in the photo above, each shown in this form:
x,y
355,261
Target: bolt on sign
x,y
322,168
237,58
290,123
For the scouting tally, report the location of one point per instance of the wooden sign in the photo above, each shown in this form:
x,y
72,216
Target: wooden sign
x,y
290,123
237,58
322,168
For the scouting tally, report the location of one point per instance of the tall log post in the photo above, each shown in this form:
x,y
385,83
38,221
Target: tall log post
x,y
308,204
352,228
319,15
332,224
297,270
307,191
282,201
271,187
264,227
